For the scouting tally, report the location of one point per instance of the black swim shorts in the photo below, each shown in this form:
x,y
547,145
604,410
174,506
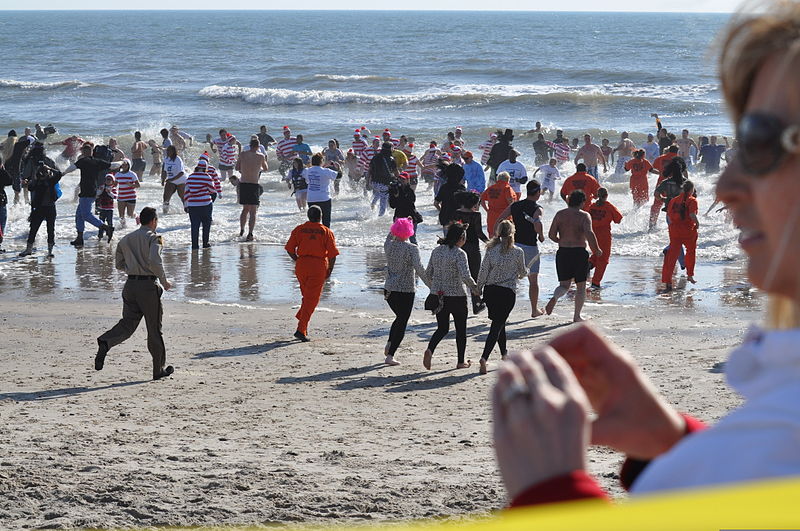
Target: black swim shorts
x,y
572,263
138,165
248,194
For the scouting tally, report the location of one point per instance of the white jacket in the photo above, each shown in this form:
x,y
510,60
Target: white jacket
x,y
759,440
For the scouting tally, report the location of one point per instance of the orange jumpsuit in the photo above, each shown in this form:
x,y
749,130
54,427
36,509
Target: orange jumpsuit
x,y
639,169
682,231
581,181
314,244
659,164
602,217
498,196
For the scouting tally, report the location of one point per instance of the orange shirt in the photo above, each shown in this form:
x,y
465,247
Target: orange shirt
x,y
661,162
581,181
602,217
639,169
312,239
678,224
499,196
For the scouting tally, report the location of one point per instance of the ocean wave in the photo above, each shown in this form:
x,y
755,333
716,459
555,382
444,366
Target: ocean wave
x,y
335,77
467,94
35,85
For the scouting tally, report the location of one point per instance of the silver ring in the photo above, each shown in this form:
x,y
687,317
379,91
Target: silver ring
x,y
514,390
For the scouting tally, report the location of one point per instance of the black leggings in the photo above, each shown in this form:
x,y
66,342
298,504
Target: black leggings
x,y
474,262
39,214
499,301
401,304
457,307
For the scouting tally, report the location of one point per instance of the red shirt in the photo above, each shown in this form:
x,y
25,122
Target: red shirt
x,y
312,239
682,224
602,217
581,181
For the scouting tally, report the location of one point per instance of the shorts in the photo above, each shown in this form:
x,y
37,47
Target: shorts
x,y
128,202
225,167
549,185
531,252
138,165
572,263
249,194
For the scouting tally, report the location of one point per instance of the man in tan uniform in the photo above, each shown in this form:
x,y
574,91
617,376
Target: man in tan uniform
x,y
139,255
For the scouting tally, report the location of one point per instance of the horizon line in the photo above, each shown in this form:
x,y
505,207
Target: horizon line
x,y
449,11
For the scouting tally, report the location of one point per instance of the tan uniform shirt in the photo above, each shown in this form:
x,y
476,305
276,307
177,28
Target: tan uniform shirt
x,y
139,253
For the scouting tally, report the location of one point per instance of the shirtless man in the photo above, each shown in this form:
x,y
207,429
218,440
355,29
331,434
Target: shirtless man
x,y
685,144
590,153
139,164
624,152
250,165
571,229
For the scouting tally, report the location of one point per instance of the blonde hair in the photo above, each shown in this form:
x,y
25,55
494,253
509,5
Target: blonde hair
x,y
751,40
503,176
504,235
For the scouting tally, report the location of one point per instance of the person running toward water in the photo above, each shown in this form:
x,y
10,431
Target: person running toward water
x,y
503,265
250,165
402,261
448,272
486,147
468,215
382,171
580,181
517,174
624,152
298,182
319,185
658,168
639,167
550,175
603,214
591,153
683,225
651,149
312,247
496,199
571,229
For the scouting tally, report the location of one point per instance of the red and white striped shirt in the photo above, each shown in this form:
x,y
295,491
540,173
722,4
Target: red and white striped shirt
x,y
212,172
366,157
358,147
199,187
561,150
487,148
125,189
411,167
285,148
227,154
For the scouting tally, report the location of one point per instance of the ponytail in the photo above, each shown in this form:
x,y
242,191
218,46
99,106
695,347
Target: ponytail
x,y
504,236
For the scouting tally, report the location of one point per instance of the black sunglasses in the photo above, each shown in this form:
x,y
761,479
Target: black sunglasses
x,y
764,142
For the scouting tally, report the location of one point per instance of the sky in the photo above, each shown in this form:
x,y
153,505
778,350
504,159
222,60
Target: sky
x,y
686,6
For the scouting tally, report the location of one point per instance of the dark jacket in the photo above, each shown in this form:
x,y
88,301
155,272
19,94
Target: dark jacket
x,y
453,175
43,185
404,203
498,154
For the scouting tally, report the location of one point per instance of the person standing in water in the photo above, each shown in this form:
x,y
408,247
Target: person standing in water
x,y
639,167
402,261
550,175
312,247
591,153
683,225
572,230
250,164
624,151
138,163
603,214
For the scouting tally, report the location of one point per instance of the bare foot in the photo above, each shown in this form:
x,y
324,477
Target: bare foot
x,y
691,279
426,359
249,237
391,361
537,312
483,369
579,319
241,233
386,350
466,365
550,305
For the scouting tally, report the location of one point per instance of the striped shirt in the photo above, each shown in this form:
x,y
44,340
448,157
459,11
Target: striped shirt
x,y
285,148
199,187
125,182
227,154
358,147
411,167
561,150
487,148
212,172
367,156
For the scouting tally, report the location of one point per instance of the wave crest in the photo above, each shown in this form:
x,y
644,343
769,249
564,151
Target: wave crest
x,y
35,85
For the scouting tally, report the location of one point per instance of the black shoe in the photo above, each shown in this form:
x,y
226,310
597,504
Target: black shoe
x,y
100,359
100,232
110,231
77,242
168,370
595,286
478,308
206,246
301,336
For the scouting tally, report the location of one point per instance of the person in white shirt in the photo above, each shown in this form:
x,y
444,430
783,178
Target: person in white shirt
x,y
173,176
550,175
319,186
516,171
651,149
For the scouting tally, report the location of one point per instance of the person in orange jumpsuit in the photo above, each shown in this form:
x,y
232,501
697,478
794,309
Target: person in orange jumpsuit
x,y
580,181
496,199
603,214
312,246
639,167
658,167
683,224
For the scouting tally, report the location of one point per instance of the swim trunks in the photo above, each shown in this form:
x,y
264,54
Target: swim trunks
x,y
248,194
572,263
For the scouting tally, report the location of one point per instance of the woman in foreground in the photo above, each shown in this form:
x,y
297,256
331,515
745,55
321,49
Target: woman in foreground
x,y
542,398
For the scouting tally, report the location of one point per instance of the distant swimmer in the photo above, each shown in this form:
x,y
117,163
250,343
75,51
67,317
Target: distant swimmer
x,y
683,225
312,246
139,255
603,214
250,165
591,154
580,180
571,229
624,152
639,167
550,174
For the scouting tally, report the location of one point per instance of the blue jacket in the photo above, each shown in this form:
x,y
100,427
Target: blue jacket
x,y
476,179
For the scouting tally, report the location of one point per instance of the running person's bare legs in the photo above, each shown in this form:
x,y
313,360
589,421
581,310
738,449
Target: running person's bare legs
x,y
560,291
533,295
580,298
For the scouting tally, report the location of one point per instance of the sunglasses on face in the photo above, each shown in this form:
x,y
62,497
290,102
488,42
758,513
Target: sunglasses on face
x,y
764,142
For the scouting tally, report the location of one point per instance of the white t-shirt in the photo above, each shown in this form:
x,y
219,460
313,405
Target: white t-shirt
x,y
319,183
173,168
549,175
515,170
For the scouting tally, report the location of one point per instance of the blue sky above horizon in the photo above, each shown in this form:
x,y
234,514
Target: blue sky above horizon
x,y
680,6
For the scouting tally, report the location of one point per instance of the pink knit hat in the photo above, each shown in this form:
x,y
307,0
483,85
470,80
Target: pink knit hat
x,y
403,228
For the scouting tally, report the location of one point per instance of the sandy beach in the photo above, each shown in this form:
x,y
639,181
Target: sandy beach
x,y
255,429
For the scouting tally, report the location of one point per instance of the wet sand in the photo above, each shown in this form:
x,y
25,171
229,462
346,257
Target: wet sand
x,y
256,428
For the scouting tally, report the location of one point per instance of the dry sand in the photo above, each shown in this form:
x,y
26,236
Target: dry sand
x,y
255,428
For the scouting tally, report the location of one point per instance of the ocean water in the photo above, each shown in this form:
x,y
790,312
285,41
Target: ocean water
x,y
325,73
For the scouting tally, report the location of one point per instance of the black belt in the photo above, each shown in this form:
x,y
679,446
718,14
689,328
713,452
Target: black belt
x,y
142,277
